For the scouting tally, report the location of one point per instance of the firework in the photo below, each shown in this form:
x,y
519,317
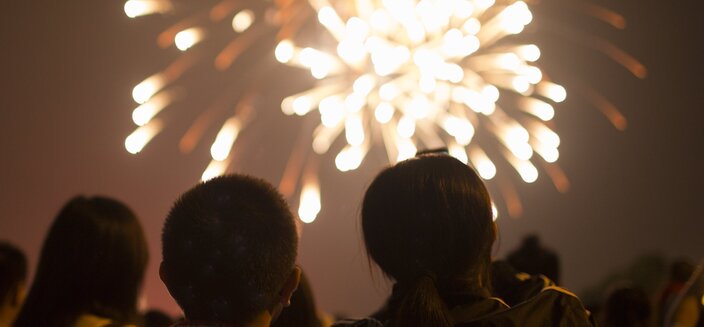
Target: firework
x,y
393,74
408,73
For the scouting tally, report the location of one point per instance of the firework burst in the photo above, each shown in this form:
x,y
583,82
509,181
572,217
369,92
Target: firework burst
x,y
408,74
394,74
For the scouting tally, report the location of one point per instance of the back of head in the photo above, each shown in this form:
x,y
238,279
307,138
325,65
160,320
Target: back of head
x,y
427,223
13,274
628,307
92,261
681,270
229,245
532,258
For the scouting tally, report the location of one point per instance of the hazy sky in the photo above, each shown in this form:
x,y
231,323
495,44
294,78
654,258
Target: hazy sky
x,y
67,69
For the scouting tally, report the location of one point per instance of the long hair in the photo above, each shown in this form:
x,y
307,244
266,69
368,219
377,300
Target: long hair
x,y
427,223
92,261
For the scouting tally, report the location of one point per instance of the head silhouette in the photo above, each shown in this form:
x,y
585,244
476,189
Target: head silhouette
x,y
92,262
229,249
427,223
13,276
628,307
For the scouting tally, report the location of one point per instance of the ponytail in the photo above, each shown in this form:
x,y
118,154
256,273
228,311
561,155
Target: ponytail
x,y
421,305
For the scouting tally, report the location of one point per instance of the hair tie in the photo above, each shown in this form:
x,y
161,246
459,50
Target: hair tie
x,y
429,275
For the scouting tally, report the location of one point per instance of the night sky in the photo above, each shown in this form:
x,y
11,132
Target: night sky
x,y
68,67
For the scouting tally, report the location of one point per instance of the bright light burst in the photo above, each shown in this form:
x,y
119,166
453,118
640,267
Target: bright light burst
x,y
409,73
398,74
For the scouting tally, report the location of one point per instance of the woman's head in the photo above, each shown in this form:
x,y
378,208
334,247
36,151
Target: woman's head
x,y
92,261
427,223
430,215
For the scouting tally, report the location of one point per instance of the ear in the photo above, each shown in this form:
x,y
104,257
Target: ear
x,y
290,286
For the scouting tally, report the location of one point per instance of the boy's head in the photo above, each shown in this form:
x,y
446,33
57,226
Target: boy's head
x,y
229,251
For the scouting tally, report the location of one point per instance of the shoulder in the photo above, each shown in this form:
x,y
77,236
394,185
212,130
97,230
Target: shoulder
x,y
90,320
553,306
558,305
364,322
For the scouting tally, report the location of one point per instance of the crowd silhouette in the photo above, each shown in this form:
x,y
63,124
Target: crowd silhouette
x,y
229,259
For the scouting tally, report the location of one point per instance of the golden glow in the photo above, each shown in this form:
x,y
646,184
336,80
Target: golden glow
x,y
188,38
484,4
137,8
220,149
406,127
242,20
354,102
458,152
548,153
482,163
532,74
460,128
350,158
389,92
494,211
402,73
529,52
302,105
309,205
521,84
472,26
135,142
430,72
354,130
525,169
284,51
545,135
146,111
331,111
329,18
214,169
364,84
538,108
406,149
552,91
515,17
146,89
384,112
320,64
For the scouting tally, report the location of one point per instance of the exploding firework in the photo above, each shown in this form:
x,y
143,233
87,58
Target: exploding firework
x,y
392,74
427,73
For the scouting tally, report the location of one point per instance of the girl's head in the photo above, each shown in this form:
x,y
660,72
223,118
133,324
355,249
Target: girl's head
x,y
427,222
92,261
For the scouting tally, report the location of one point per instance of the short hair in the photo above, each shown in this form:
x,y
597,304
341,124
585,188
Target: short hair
x,y
13,269
92,261
229,245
